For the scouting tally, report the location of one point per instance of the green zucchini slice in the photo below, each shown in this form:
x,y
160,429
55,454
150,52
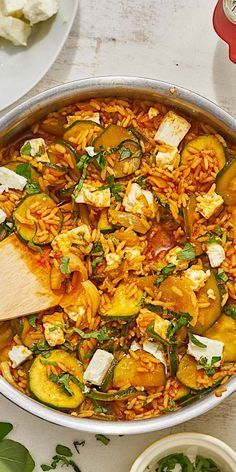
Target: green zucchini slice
x,y
208,316
80,126
109,397
127,158
226,182
208,142
103,224
225,330
54,155
122,307
50,393
187,372
26,231
112,137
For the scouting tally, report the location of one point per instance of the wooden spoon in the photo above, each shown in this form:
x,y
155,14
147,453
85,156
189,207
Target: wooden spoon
x,y
24,283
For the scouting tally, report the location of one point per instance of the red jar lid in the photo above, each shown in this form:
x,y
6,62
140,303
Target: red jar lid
x,y
225,29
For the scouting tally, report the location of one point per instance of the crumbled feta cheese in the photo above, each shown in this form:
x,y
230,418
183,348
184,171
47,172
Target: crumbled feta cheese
x,y
197,277
135,346
129,253
35,148
172,258
92,196
139,201
10,179
211,294
90,151
3,216
64,241
39,10
98,367
216,254
208,204
161,327
152,112
53,329
11,7
172,129
14,30
18,355
213,349
154,349
94,117
113,258
168,159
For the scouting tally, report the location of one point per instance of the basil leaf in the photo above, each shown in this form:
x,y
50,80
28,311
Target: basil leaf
x,y
32,321
102,438
196,341
188,252
24,170
159,280
208,367
230,310
14,457
202,464
96,261
25,150
48,362
175,325
168,269
115,187
63,450
64,266
102,334
5,429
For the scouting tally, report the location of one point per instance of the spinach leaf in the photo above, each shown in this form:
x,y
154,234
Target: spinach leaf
x,y
14,457
24,170
5,428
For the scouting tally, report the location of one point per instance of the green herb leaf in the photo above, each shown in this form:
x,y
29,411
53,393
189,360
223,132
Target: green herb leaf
x,y
48,362
32,320
5,429
209,367
96,261
115,188
221,276
202,464
125,153
42,347
230,310
77,445
168,269
25,150
171,407
97,248
24,170
218,231
188,252
14,457
63,381
175,325
35,247
63,451
196,341
101,335
32,188
142,182
159,280
102,438
64,266
83,160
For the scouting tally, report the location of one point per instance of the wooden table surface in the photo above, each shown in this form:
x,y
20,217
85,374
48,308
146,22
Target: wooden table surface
x,y
168,40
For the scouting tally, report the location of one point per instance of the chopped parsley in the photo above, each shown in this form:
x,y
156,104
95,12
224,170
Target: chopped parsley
x,y
104,439
209,367
196,341
188,252
64,265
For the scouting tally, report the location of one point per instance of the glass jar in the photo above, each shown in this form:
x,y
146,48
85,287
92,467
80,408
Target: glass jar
x,y
230,10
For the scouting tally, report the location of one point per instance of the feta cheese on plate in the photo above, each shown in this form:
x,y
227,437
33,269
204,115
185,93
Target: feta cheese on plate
x,y
3,216
168,159
53,329
197,277
35,148
216,254
92,196
98,367
154,349
139,201
39,10
172,129
213,349
18,355
208,204
14,30
11,179
11,7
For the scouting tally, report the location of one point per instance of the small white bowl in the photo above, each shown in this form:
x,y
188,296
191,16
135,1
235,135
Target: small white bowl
x,y
207,446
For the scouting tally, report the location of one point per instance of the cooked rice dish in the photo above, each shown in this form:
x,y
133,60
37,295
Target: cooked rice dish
x,y
131,207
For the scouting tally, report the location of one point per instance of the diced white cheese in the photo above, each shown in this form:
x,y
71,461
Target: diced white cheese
x,y
112,258
154,349
172,129
139,201
18,355
94,117
161,327
135,346
129,253
63,241
216,254
172,258
11,7
213,349
169,159
14,30
53,331
10,179
90,151
35,148
3,216
98,367
197,277
92,196
39,10
208,204
152,112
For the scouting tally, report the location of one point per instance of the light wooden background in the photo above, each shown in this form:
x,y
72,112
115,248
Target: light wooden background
x,y
171,40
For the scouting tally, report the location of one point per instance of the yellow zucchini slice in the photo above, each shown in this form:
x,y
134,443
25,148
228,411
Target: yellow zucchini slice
x,y
182,392
225,330
208,142
50,393
178,291
123,307
103,223
207,316
226,182
187,372
6,333
127,372
81,126
112,136
127,158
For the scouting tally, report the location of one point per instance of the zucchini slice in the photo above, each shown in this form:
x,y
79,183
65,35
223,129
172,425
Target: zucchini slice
x,y
127,371
55,156
112,136
208,142
80,126
50,393
190,216
182,393
109,397
26,231
122,307
225,330
127,158
187,372
208,316
103,224
6,333
14,164
226,182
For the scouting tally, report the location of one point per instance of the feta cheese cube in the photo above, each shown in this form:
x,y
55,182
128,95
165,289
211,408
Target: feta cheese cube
x,y
161,327
169,159
53,329
208,204
139,201
9,179
216,254
172,129
135,346
18,355
113,258
90,151
35,148
98,367
172,258
39,10
3,216
197,277
64,241
155,349
213,349
92,196
11,7
152,112
94,117
14,30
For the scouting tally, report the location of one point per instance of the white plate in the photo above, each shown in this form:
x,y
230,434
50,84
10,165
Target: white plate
x,y
21,68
